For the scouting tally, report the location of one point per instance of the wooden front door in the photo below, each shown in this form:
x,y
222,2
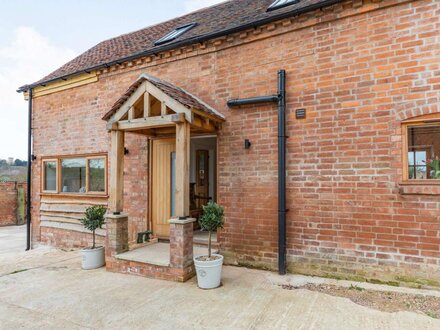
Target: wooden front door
x,y
163,157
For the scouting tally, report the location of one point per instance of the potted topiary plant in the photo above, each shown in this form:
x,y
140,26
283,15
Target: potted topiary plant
x,y
94,218
209,267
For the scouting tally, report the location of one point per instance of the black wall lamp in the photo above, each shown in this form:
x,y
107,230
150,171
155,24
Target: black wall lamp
x,y
125,151
247,144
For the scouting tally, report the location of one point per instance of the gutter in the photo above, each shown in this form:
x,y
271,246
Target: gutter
x,y
186,42
29,174
280,98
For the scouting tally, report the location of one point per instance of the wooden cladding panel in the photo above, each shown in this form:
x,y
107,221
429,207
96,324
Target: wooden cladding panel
x,y
65,213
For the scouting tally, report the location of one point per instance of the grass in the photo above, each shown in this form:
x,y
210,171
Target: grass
x,y
18,271
431,314
355,287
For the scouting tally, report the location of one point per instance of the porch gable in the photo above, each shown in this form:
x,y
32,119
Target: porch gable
x,y
151,105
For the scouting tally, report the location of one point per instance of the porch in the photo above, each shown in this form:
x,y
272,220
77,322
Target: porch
x,y
169,116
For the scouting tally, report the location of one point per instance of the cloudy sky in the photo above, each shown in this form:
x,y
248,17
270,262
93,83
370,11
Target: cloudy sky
x,y
36,37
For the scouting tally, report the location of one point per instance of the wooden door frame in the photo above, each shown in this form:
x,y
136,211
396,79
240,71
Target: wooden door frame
x,y
150,180
150,171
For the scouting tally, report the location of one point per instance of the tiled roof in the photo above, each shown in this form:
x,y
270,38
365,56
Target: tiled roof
x,y
212,22
179,94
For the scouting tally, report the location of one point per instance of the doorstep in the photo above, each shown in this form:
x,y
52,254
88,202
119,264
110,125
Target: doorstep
x,y
157,254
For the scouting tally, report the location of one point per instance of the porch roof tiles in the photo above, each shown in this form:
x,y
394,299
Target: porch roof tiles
x,y
180,95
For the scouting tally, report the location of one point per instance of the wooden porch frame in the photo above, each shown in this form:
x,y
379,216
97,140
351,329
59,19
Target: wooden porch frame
x,y
181,122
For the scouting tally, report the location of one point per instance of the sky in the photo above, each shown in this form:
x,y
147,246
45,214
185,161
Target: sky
x,y
37,37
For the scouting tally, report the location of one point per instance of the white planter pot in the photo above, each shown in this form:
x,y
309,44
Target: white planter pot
x,y
93,258
209,273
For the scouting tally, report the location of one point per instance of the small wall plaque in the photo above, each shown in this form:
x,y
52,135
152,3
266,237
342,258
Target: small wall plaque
x,y
300,113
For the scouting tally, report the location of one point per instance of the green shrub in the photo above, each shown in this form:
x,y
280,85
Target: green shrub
x,y
94,219
211,220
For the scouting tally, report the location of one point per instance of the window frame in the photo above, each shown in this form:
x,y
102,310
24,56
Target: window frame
x,y
87,176
174,34
58,160
277,5
43,175
424,120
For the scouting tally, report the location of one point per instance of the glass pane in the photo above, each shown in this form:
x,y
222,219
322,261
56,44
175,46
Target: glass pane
x,y
410,158
173,184
97,175
50,176
424,145
420,157
73,175
420,172
411,172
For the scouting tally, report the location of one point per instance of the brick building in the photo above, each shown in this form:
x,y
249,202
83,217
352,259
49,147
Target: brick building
x,y
140,123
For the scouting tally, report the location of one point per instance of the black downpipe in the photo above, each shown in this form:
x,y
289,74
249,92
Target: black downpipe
x,y
253,100
281,99
29,173
282,172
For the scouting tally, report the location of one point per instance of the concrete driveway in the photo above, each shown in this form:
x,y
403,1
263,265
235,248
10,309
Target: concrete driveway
x,y
46,289
12,239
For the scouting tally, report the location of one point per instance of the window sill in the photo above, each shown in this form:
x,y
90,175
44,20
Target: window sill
x,y
74,195
419,188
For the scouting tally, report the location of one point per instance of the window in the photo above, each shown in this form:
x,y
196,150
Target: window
x,y
175,34
422,151
73,175
97,175
50,175
280,4
77,175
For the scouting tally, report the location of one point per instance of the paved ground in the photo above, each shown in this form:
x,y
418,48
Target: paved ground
x,y
46,289
12,239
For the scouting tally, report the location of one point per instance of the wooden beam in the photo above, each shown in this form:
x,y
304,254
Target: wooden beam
x,y
117,172
182,168
129,103
131,113
170,102
112,126
204,114
163,109
147,105
60,85
168,131
204,124
151,122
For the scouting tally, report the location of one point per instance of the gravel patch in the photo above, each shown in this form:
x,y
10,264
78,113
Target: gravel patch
x,y
379,300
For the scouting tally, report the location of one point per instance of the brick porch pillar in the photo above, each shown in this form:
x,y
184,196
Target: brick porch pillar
x,y
116,239
181,244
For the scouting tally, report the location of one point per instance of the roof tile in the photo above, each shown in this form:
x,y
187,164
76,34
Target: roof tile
x,y
177,93
221,17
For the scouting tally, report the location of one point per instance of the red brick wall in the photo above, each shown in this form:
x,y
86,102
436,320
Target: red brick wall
x,y
68,239
8,203
358,69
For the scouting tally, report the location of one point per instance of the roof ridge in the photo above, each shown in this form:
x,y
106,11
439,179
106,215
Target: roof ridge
x,y
208,6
